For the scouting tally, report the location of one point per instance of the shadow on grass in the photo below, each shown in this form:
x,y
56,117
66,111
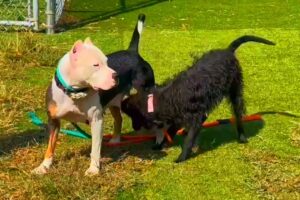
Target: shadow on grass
x,y
141,150
283,113
32,137
211,138
77,13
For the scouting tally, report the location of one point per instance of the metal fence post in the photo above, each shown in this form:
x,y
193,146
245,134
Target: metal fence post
x,y
35,7
50,12
29,10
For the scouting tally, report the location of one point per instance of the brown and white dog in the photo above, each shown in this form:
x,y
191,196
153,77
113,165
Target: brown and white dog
x,y
74,96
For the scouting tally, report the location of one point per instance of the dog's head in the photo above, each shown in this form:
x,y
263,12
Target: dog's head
x,y
89,66
135,107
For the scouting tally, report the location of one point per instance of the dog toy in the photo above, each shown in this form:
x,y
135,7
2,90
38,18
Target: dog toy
x,y
76,133
135,139
254,117
80,133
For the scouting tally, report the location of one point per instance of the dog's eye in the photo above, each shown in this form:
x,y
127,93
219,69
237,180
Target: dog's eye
x,y
96,65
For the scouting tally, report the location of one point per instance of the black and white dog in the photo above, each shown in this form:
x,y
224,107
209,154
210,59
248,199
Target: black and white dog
x,y
184,101
133,71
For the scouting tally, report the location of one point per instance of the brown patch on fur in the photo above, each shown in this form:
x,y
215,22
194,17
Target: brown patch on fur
x,y
51,145
52,109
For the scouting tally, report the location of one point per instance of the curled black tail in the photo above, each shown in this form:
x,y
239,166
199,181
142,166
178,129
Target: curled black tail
x,y
134,44
247,38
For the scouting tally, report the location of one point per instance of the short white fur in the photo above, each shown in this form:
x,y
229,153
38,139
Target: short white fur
x,y
140,27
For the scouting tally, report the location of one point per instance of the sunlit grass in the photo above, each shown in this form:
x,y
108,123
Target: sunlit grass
x,y
267,167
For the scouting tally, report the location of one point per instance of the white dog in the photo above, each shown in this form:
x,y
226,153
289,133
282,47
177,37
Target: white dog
x,y
73,95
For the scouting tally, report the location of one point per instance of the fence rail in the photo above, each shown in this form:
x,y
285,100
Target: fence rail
x,y
63,14
19,13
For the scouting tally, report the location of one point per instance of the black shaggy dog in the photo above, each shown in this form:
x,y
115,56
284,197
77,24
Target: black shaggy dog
x,y
184,101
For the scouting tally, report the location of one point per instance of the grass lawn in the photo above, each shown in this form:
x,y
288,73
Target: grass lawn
x,y
268,167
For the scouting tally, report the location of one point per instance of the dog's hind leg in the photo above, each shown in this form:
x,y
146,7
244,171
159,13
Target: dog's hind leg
x,y
116,113
53,128
189,141
237,101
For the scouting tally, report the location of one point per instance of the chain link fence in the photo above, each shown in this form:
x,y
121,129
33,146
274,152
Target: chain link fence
x,y
24,14
19,14
61,14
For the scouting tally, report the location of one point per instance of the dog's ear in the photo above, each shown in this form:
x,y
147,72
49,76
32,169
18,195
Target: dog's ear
x,y
88,41
78,45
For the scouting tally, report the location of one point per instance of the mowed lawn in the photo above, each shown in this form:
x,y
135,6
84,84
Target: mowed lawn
x,y
268,167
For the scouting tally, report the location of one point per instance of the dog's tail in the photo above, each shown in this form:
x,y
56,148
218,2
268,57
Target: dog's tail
x,y
134,43
247,38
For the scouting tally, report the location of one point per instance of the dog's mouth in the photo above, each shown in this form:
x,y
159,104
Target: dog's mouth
x,y
108,85
117,81
115,78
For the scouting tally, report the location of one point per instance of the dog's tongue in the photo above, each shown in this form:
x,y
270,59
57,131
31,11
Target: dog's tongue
x,y
150,103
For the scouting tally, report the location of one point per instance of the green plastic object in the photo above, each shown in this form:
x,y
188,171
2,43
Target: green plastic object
x,y
35,120
75,133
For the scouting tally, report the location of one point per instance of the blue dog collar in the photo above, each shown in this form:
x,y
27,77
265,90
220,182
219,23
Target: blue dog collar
x,y
61,83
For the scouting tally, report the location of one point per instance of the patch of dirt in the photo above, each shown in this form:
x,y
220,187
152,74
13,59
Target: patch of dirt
x,y
14,103
121,168
275,177
67,20
295,137
17,54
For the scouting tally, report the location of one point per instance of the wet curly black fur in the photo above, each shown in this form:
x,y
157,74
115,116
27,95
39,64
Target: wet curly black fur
x,y
185,100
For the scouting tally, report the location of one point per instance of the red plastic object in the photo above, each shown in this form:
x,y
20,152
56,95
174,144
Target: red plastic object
x,y
135,139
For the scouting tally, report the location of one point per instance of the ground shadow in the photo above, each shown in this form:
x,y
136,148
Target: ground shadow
x,y
283,113
141,150
212,138
31,137
209,139
78,13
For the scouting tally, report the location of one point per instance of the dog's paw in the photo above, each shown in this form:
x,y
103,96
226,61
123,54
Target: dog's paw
x,y
115,139
40,170
243,139
180,159
157,147
92,171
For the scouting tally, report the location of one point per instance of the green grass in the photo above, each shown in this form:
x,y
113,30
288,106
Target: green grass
x,y
265,168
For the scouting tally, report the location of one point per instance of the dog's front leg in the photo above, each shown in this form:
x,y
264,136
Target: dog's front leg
x,y
53,128
96,129
161,139
189,141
